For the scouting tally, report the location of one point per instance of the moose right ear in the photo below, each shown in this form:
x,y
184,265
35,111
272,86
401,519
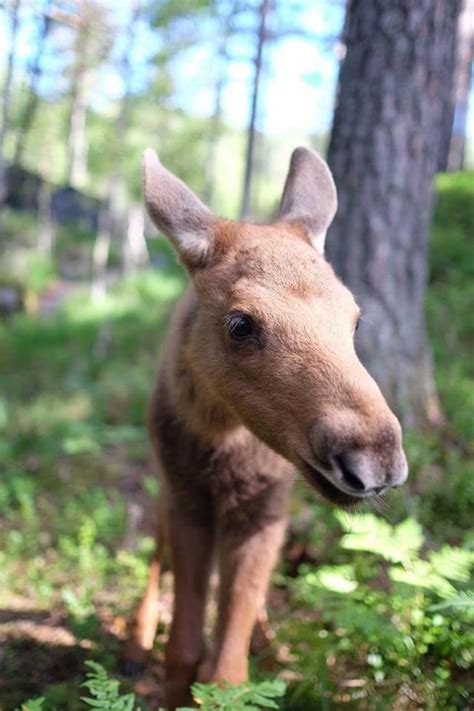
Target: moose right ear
x,y
309,197
176,211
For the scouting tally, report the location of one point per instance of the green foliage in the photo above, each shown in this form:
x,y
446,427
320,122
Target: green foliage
x,y
381,610
105,692
105,695
450,298
33,705
367,532
399,612
245,697
401,544
463,602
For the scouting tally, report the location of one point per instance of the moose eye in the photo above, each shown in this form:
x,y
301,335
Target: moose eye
x,y
240,326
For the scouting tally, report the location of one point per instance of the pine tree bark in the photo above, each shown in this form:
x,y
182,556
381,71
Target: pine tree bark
x,y
394,90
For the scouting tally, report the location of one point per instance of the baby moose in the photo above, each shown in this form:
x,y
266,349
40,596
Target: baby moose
x,y
259,378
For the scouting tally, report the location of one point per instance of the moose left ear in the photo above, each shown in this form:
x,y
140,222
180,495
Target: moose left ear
x,y
309,197
177,212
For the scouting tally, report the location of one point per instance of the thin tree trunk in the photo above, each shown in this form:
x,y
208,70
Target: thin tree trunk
x,y
226,30
5,119
82,78
463,76
113,220
209,189
117,192
100,256
45,226
77,140
32,100
135,249
395,87
261,37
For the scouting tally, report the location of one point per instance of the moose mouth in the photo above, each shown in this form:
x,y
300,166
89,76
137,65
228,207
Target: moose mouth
x,y
326,488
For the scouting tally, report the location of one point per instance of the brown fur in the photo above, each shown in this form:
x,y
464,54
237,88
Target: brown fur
x,y
231,421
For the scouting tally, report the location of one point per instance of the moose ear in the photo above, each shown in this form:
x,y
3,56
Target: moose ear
x,y
309,197
176,211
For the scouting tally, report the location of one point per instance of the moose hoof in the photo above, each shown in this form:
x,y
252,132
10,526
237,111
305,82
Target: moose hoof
x,y
133,659
132,669
206,669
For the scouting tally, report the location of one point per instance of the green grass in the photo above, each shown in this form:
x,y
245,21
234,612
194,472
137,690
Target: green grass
x,y
371,611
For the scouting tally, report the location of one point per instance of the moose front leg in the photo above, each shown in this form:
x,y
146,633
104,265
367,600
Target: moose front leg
x,y
245,566
145,619
191,546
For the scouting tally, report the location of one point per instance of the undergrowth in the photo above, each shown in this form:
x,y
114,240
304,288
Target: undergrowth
x,y
370,610
105,695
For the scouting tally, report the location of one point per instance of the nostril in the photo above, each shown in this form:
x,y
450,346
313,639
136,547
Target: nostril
x,y
349,477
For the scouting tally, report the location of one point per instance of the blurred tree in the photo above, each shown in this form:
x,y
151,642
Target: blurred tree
x,y
32,100
5,117
216,120
92,45
463,78
394,90
225,28
113,218
276,20
261,37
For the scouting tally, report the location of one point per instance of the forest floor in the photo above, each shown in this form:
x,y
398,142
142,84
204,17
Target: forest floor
x,y
370,611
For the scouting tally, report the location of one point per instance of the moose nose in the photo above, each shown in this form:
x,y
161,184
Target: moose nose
x,y
360,456
360,482
360,473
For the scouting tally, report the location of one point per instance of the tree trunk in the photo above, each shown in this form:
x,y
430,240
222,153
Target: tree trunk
x,y
463,75
46,230
5,118
100,256
135,251
35,76
77,140
395,85
113,218
225,29
82,77
209,189
261,37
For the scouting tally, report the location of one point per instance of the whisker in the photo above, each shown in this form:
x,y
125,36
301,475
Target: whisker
x,y
380,505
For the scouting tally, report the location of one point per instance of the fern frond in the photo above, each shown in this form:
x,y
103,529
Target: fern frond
x,y
463,600
105,692
367,532
244,697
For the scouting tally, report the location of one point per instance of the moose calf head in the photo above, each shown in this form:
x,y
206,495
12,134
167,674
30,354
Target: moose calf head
x,y
273,335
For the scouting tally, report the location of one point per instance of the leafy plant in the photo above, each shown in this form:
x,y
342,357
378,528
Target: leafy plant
x,y
462,602
418,621
367,532
33,705
106,696
105,692
244,697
